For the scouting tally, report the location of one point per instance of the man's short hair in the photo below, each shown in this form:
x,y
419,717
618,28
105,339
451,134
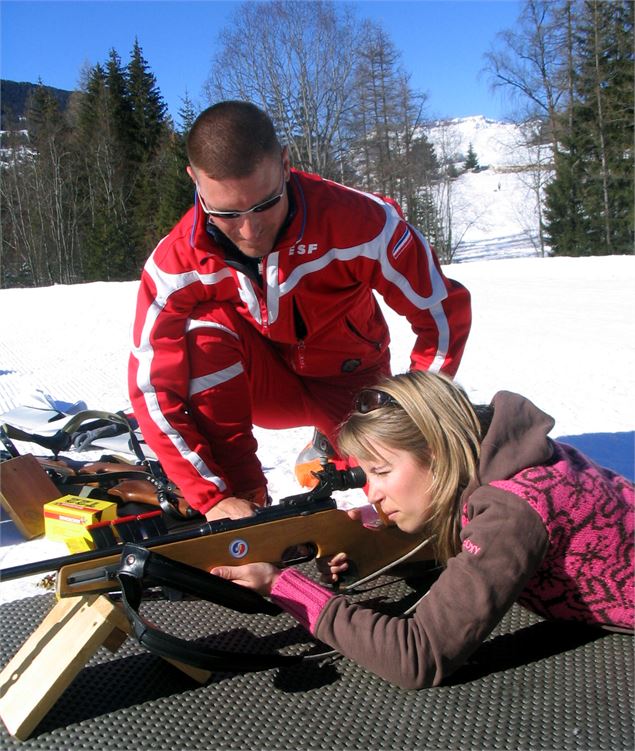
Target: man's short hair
x,y
229,140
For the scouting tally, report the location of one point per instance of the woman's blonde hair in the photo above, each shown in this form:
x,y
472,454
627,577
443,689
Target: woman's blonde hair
x,y
431,418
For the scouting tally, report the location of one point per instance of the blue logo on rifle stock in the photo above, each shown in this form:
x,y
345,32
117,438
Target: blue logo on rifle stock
x,y
238,548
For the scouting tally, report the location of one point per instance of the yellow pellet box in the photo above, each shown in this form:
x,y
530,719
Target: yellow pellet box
x,y
67,520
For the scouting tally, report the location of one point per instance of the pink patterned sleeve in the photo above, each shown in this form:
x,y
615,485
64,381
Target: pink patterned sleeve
x,y
300,597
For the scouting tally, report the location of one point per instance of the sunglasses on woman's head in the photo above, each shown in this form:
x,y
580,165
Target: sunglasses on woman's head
x,y
369,400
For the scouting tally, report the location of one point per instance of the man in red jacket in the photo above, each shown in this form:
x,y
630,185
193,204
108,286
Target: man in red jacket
x,y
258,308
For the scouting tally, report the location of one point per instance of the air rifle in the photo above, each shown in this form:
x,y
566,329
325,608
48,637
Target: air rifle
x,y
299,528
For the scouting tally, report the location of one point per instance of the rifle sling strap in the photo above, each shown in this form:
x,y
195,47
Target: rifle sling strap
x,y
140,565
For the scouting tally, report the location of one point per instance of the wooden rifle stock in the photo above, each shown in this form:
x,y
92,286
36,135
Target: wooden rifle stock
x,y
321,532
300,528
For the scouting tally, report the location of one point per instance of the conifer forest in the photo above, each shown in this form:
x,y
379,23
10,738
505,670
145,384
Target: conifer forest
x,y
88,190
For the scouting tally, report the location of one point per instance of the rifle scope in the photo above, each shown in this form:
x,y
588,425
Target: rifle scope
x,y
330,478
347,479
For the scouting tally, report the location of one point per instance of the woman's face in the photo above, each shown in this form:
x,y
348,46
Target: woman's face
x,y
400,485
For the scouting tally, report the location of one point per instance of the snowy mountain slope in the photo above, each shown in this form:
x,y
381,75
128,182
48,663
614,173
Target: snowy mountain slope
x,y
494,209
496,144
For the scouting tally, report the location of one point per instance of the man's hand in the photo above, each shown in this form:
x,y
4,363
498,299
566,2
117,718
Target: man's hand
x,y
238,507
257,576
231,508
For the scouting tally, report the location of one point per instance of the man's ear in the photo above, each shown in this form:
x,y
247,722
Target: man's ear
x,y
190,172
286,163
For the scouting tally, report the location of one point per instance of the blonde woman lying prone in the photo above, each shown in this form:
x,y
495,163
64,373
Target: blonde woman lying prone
x,y
514,515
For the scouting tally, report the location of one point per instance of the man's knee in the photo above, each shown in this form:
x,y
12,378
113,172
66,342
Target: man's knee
x,y
222,345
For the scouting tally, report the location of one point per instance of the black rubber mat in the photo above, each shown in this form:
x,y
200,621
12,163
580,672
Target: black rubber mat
x,y
533,685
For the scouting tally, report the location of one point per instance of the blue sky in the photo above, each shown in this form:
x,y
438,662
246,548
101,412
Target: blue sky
x,y
442,43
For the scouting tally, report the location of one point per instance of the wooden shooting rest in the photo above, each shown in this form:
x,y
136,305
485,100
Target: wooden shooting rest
x,y
24,489
54,654
73,630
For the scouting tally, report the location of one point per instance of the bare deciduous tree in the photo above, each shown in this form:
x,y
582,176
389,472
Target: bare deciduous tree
x,y
39,190
447,149
532,61
538,156
294,60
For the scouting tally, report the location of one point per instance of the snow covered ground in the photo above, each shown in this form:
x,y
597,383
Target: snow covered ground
x,y
561,331
558,330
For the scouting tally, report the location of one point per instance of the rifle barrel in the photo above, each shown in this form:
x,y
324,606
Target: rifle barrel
x,y
54,564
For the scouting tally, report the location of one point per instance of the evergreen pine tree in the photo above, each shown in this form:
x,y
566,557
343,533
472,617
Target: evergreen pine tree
x,y
106,147
119,109
90,104
187,114
43,115
566,224
177,190
426,218
471,163
148,107
149,136
589,204
100,186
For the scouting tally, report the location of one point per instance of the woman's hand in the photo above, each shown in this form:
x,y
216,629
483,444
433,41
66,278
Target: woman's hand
x,y
331,568
257,576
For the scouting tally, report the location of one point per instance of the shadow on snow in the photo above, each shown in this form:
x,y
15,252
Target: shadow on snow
x,y
615,451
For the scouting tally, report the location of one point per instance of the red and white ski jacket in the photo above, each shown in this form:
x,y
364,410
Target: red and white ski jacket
x,y
340,245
